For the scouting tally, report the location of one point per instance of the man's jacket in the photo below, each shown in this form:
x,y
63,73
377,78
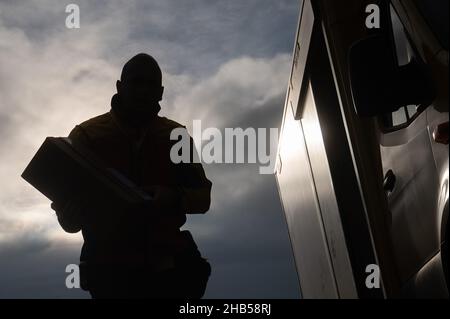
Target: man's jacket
x,y
142,155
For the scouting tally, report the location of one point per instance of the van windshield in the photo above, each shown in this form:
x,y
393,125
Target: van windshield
x,y
435,13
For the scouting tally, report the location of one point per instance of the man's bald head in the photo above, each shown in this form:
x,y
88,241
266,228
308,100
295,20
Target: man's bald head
x,y
139,89
144,66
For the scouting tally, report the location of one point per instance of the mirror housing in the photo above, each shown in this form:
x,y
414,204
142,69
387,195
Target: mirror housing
x,y
379,85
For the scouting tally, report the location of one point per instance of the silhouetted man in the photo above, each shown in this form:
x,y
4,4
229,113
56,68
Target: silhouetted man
x,y
146,255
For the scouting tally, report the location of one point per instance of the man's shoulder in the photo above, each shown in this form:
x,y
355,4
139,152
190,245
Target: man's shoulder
x,y
96,126
100,121
168,123
165,126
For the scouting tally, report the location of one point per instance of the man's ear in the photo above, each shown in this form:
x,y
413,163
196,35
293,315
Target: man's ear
x,y
118,86
161,93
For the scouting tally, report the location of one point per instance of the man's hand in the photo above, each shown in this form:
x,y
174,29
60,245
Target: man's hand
x,y
165,199
69,215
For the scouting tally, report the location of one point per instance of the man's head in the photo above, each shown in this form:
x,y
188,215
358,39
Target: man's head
x,y
140,86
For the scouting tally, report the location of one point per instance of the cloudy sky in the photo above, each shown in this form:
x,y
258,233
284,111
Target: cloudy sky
x,y
224,62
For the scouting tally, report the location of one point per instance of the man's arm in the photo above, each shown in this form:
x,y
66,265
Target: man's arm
x,y
190,195
194,187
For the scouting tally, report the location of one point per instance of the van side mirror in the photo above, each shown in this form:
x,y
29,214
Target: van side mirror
x,y
379,85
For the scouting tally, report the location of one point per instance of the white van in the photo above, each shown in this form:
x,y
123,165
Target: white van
x,y
362,165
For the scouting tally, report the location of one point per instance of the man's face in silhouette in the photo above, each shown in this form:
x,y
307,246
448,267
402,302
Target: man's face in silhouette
x,y
140,87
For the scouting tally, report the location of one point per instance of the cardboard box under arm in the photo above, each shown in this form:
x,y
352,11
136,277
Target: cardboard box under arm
x,y
61,171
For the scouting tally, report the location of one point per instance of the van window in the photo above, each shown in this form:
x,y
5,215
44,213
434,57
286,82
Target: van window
x,y
404,115
435,13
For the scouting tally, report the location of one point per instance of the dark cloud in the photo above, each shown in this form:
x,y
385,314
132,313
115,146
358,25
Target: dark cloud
x,y
39,274
186,36
205,33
